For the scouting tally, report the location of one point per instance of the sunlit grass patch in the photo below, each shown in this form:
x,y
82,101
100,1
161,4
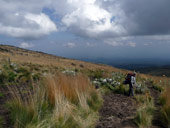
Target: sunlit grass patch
x,y
62,101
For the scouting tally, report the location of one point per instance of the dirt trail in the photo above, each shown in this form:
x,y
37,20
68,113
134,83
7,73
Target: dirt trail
x,y
4,112
118,111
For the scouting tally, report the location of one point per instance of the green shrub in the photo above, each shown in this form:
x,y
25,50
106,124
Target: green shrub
x,y
11,76
95,74
105,90
7,75
158,87
121,89
110,87
24,75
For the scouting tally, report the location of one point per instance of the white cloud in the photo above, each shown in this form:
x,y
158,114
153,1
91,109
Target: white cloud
x,y
34,25
26,45
147,44
113,43
119,42
90,44
159,37
131,44
69,45
92,20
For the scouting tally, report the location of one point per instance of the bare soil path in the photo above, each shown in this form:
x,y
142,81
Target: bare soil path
x,y
118,111
4,112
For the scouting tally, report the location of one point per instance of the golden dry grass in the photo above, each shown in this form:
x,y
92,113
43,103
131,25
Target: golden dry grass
x,y
166,94
68,97
22,56
68,85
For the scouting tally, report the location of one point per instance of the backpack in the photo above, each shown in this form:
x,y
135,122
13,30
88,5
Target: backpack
x,y
128,78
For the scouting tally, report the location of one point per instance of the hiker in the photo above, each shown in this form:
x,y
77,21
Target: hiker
x,y
131,80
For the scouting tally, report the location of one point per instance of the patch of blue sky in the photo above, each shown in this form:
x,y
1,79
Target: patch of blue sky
x,y
112,19
8,40
53,16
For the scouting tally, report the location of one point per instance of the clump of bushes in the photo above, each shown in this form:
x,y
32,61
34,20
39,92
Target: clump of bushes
x,y
13,74
7,74
95,74
121,89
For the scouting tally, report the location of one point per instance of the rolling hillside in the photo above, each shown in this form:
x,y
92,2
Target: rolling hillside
x,y
42,90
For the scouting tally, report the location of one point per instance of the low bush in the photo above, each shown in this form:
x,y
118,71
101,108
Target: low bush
x,y
158,87
95,74
121,89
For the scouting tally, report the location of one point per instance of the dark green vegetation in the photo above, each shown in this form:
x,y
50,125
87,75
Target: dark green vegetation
x,y
156,71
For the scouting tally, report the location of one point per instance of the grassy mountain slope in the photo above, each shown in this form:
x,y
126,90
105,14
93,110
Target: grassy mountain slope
x,y
26,56
42,90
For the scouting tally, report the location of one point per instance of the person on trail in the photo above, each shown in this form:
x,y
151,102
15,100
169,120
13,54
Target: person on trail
x,y
131,80
132,84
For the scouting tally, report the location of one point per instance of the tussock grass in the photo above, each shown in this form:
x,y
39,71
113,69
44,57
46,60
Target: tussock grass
x,y
62,101
165,110
68,85
144,114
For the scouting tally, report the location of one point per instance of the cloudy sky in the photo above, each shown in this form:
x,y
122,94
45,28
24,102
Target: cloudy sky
x,y
88,28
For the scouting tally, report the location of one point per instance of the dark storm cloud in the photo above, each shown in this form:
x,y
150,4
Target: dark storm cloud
x,y
152,17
